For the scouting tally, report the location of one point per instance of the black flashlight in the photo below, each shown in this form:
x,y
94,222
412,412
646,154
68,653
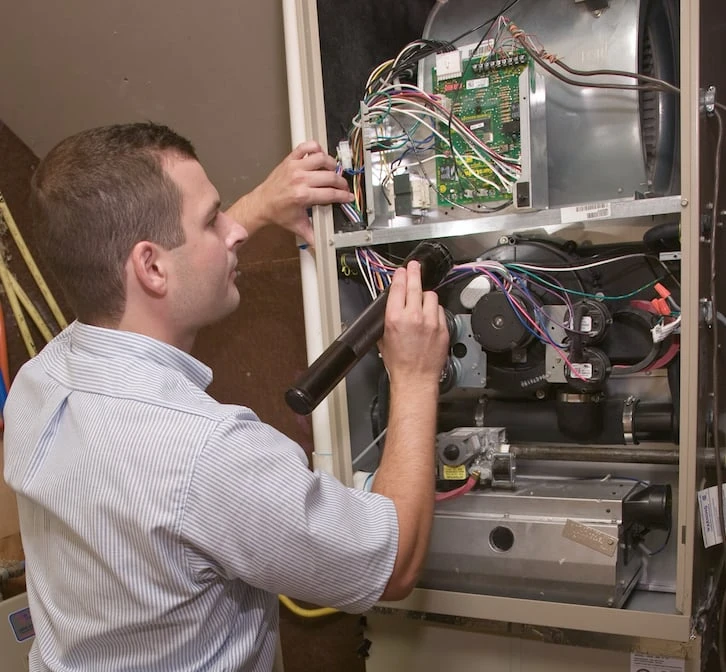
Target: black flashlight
x,y
349,348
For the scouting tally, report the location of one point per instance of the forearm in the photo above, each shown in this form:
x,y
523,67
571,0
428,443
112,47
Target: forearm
x,y
248,212
406,476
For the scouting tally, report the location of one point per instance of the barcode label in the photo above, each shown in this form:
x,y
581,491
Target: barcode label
x,y
480,83
585,212
584,370
710,518
484,49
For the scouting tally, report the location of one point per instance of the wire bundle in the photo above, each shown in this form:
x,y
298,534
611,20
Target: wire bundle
x,y
516,281
393,114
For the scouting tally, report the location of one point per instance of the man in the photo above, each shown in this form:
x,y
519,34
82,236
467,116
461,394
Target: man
x,y
158,524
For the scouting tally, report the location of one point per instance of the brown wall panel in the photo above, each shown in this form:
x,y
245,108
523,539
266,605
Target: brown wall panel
x,y
214,71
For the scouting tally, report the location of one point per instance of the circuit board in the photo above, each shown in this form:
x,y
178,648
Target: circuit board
x,y
486,98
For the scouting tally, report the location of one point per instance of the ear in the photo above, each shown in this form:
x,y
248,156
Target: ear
x,y
147,264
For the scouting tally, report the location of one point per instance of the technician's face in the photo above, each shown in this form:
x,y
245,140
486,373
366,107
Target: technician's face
x,y
205,266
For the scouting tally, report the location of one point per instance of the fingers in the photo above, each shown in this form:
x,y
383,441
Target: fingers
x,y
431,307
307,147
325,178
324,196
413,284
397,292
305,231
318,161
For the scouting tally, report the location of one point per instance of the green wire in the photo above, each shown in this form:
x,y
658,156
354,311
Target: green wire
x,y
585,294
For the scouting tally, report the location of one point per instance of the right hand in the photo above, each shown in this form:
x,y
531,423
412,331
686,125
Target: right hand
x,y
415,339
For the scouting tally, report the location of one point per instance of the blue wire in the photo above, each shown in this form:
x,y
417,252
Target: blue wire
x,y
3,393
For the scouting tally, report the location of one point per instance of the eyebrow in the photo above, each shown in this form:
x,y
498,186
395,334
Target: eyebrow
x,y
213,210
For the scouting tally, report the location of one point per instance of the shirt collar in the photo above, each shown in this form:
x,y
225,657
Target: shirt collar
x,y
114,343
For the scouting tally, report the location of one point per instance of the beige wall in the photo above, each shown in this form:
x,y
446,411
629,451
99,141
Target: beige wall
x,y
213,70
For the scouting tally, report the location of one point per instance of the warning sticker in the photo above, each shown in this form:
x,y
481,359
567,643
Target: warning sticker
x,y
641,662
21,624
454,473
710,520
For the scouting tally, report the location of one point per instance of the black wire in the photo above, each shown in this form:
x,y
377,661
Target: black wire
x,y
594,85
487,23
664,544
433,186
714,374
619,73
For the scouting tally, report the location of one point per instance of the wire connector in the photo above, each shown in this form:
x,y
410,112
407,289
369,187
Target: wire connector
x,y
662,331
345,155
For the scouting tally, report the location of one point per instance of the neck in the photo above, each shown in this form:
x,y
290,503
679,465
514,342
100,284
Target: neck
x,y
155,328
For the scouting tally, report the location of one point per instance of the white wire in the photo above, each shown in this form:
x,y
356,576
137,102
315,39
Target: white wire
x,y
582,267
362,267
385,106
505,183
368,448
405,165
438,113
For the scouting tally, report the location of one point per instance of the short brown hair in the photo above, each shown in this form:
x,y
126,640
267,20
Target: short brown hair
x,y
94,196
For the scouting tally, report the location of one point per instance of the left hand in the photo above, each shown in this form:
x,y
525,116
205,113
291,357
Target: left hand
x,y
306,177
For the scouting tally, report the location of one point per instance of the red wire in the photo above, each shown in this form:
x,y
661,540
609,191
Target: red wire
x,y
451,494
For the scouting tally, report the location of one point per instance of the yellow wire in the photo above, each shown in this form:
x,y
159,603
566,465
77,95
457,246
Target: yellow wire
x,y
15,306
306,613
26,303
34,270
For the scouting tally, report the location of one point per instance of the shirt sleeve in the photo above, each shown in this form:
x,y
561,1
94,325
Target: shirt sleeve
x,y
254,511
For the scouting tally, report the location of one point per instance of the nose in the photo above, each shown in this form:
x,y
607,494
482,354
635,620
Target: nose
x,y
235,233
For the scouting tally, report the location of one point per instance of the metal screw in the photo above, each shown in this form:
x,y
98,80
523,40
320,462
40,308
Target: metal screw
x,y
498,322
540,394
503,240
684,202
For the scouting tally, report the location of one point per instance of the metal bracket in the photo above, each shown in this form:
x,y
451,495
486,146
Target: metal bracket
x,y
628,425
706,308
707,99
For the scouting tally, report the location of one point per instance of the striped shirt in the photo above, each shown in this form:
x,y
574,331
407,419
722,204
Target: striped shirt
x,y
159,524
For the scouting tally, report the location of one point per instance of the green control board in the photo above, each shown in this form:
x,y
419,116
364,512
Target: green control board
x,y
486,98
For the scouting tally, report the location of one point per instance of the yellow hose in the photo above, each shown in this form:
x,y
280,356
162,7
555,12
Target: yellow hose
x,y
15,307
30,308
306,613
32,267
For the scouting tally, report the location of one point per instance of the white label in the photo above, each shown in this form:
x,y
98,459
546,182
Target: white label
x,y
448,65
586,324
485,48
480,83
641,662
584,213
584,370
710,521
